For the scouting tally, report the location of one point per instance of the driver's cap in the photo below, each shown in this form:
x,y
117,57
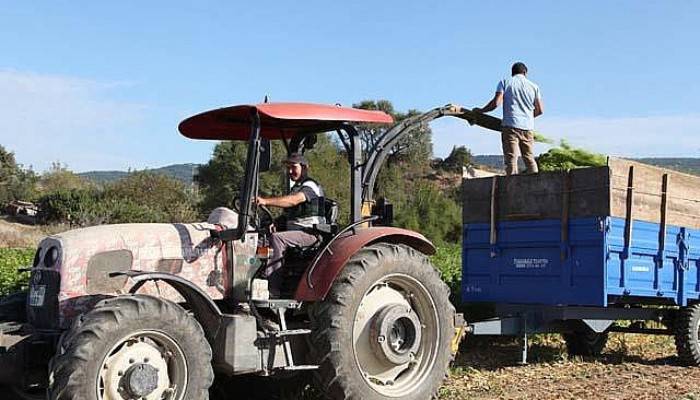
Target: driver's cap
x,y
296,158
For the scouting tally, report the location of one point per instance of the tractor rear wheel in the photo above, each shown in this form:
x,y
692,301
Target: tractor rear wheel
x,y
132,347
385,328
687,330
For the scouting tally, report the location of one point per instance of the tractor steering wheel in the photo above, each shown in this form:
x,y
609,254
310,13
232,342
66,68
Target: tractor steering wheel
x,y
261,223
265,221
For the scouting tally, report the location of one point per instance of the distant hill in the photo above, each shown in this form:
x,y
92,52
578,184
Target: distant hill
x,y
493,161
185,172
690,165
181,172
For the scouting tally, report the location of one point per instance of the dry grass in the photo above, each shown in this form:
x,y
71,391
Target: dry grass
x,y
17,235
631,367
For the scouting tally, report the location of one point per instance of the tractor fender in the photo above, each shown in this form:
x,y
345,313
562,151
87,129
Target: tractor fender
x,y
202,306
319,276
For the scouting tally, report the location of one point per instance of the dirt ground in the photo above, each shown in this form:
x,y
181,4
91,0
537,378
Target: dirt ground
x,y
631,367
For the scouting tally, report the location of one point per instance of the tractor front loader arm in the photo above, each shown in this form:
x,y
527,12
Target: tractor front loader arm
x,y
378,154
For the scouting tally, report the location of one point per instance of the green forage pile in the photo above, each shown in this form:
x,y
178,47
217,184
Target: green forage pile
x,y
566,157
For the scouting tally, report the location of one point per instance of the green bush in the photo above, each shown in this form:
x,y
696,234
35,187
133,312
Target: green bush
x,y
140,197
59,177
145,196
431,211
448,260
74,206
10,261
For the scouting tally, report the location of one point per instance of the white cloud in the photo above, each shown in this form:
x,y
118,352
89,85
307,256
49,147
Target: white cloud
x,y
653,136
49,118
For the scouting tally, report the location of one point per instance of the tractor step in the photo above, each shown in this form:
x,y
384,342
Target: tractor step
x,y
276,304
300,368
290,332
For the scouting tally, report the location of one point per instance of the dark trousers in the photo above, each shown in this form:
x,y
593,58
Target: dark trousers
x,y
279,242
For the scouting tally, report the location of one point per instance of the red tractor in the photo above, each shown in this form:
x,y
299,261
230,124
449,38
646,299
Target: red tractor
x,y
154,311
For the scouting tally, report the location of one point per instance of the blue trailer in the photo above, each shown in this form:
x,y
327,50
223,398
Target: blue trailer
x,y
574,252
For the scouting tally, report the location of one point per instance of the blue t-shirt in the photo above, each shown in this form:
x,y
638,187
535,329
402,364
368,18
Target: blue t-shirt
x,y
519,96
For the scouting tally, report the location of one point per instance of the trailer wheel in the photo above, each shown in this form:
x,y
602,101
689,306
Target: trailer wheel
x,y
384,330
132,347
687,330
585,343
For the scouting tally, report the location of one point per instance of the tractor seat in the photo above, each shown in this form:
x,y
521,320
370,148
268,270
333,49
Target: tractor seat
x,y
324,232
330,228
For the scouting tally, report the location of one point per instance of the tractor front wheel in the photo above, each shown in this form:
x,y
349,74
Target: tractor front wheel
x,y
132,347
384,330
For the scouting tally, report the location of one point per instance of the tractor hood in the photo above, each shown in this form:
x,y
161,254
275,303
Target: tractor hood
x,y
146,242
83,260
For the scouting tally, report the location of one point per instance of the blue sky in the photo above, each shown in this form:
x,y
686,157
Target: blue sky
x,y
103,85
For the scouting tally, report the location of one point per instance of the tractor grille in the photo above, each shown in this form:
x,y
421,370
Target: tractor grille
x,y
42,303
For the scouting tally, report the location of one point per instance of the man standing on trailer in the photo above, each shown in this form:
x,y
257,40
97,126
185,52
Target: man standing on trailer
x,y
303,208
521,104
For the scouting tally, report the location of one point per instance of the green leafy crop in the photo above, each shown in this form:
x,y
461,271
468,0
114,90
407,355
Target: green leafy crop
x,y
448,260
567,157
10,261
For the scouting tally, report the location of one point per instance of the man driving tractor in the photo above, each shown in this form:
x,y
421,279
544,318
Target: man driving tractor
x,y
303,208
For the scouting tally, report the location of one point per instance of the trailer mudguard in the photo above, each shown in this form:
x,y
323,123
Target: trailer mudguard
x,y
319,276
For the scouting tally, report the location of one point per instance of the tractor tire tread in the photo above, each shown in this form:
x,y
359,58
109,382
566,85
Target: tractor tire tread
x,y
91,332
332,377
686,335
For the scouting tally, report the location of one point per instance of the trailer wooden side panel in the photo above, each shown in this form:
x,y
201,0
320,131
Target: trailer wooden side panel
x,y
623,188
683,193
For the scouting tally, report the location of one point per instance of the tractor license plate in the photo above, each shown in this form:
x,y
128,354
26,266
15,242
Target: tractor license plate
x,y
36,295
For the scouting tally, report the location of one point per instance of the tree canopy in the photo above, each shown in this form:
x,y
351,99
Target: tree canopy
x,y
16,182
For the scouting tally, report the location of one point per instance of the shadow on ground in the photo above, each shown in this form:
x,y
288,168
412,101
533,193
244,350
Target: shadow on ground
x,y
490,353
480,353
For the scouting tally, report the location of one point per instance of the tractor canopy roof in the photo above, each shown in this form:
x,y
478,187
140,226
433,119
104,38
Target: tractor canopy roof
x,y
277,120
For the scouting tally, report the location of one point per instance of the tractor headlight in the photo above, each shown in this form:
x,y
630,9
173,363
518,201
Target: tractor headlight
x,y
51,257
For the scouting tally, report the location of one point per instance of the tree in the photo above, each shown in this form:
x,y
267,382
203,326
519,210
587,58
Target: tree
x,y
416,146
220,178
459,157
16,183
59,177
162,194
